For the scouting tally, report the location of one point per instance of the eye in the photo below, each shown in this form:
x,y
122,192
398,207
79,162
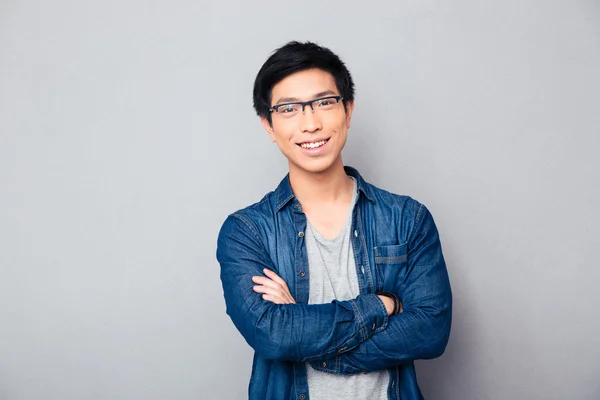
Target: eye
x,y
288,109
326,103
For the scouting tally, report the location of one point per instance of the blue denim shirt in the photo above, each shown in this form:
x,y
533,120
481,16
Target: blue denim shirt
x,y
396,248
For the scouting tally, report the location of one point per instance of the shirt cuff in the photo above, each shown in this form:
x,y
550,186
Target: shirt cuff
x,y
370,313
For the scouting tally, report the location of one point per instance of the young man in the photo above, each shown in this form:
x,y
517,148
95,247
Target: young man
x,y
336,284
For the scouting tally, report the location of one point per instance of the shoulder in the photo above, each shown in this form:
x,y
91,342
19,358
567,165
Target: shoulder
x,y
252,218
385,200
402,213
395,203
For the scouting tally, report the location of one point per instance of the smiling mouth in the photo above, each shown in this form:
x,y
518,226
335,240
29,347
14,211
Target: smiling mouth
x,y
313,145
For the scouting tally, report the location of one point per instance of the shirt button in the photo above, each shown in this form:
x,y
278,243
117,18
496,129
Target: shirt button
x,y
303,397
355,233
302,273
300,234
324,365
373,327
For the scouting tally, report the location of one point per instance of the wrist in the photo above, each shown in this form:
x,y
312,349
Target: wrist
x,y
388,303
393,304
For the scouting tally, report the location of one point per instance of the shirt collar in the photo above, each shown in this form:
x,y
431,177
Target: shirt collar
x,y
284,193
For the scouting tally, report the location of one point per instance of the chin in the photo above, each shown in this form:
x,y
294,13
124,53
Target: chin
x,y
316,167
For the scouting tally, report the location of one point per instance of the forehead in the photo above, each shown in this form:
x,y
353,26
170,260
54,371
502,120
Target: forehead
x,y
303,85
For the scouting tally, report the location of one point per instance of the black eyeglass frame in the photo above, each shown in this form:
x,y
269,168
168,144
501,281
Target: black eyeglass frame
x,y
305,103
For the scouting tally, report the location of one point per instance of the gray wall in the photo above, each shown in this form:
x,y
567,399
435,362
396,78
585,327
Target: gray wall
x,y
127,136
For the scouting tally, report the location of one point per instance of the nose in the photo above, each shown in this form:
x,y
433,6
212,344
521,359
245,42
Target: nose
x,y
310,121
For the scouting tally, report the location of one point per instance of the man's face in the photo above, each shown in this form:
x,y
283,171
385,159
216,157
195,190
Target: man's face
x,y
311,141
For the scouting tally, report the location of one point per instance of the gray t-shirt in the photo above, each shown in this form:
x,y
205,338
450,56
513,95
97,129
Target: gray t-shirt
x,y
332,272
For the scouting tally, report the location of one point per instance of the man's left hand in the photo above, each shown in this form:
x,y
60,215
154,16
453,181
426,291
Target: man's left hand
x,y
274,288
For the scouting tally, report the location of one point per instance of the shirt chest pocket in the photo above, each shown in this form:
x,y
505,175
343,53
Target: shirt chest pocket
x,y
391,263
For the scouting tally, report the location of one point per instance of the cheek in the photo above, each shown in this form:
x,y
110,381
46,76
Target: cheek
x,y
337,123
340,130
283,134
284,142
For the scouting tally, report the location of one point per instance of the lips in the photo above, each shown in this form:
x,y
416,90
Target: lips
x,y
313,145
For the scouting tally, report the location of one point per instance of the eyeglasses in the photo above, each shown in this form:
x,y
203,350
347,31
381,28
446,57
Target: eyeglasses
x,y
288,110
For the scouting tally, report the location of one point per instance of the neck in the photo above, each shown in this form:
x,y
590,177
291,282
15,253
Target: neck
x,y
330,186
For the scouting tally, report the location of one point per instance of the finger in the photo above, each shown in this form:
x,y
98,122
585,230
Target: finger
x,y
269,291
262,280
270,283
273,299
272,295
275,277
276,291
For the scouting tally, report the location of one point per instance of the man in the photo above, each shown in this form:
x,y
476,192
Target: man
x,y
337,285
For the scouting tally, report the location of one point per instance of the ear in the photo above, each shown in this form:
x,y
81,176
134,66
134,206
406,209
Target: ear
x,y
349,110
268,127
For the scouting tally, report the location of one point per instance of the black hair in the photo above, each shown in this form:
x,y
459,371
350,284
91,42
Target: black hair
x,y
295,57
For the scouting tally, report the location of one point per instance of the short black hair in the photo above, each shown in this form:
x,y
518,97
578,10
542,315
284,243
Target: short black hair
x,y
295,57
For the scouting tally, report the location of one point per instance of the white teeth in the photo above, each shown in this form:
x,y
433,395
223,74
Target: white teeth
x,y
313,145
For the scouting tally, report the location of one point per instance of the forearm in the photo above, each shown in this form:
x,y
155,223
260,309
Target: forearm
x,y
276,291
409,336
288,332
422,330
301,332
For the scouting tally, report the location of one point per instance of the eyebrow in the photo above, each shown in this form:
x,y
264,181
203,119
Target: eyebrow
x,y
283,100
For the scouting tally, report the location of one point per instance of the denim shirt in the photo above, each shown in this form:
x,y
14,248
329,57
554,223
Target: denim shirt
x,y
396,249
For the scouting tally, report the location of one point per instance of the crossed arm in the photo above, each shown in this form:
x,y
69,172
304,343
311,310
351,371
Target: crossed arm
x,y
275,290
357,334
287,332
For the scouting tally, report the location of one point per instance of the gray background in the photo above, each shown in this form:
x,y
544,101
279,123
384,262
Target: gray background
x,y
127,136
